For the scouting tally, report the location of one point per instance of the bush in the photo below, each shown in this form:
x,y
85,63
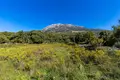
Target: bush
x,y
117,44
57,62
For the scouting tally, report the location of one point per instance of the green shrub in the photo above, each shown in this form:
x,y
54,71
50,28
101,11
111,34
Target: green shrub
x,y
117,44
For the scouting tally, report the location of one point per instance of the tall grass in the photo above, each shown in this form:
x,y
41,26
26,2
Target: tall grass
x,y
57,62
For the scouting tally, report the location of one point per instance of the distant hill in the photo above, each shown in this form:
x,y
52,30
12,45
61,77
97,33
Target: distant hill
x,y
66,28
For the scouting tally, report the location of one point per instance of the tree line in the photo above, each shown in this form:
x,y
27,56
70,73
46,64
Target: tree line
x,y
105,38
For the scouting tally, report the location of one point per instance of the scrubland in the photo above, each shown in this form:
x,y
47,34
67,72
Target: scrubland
x,y
57,62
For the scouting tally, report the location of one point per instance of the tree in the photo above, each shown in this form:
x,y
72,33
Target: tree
x,y
89,36
37,37
116,32
3,39
92,40
105,35
79,37
18,37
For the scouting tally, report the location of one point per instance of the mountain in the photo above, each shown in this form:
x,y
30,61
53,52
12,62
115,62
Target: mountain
x,y
63,28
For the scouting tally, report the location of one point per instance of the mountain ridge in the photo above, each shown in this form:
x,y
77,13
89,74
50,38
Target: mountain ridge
x,y
59,27
62,28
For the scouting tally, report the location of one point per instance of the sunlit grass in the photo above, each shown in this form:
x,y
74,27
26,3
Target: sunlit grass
x,y
56,62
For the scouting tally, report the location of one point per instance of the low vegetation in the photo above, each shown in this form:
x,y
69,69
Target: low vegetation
x,y
37,55
57,62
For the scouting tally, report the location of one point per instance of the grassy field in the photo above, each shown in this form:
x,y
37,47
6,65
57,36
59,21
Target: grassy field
x,y
57,62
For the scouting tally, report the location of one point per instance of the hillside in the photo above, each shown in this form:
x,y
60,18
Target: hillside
x,y
63,28
66,28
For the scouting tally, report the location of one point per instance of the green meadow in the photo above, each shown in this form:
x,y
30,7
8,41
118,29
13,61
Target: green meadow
x,y
57,62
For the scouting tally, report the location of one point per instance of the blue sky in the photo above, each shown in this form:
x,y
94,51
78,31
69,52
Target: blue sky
x,y
27,15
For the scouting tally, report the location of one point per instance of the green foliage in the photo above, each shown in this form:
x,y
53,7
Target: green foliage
x,y
107,37
79,37
117,44
3,39
116,32
37,37
92,40
57,62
